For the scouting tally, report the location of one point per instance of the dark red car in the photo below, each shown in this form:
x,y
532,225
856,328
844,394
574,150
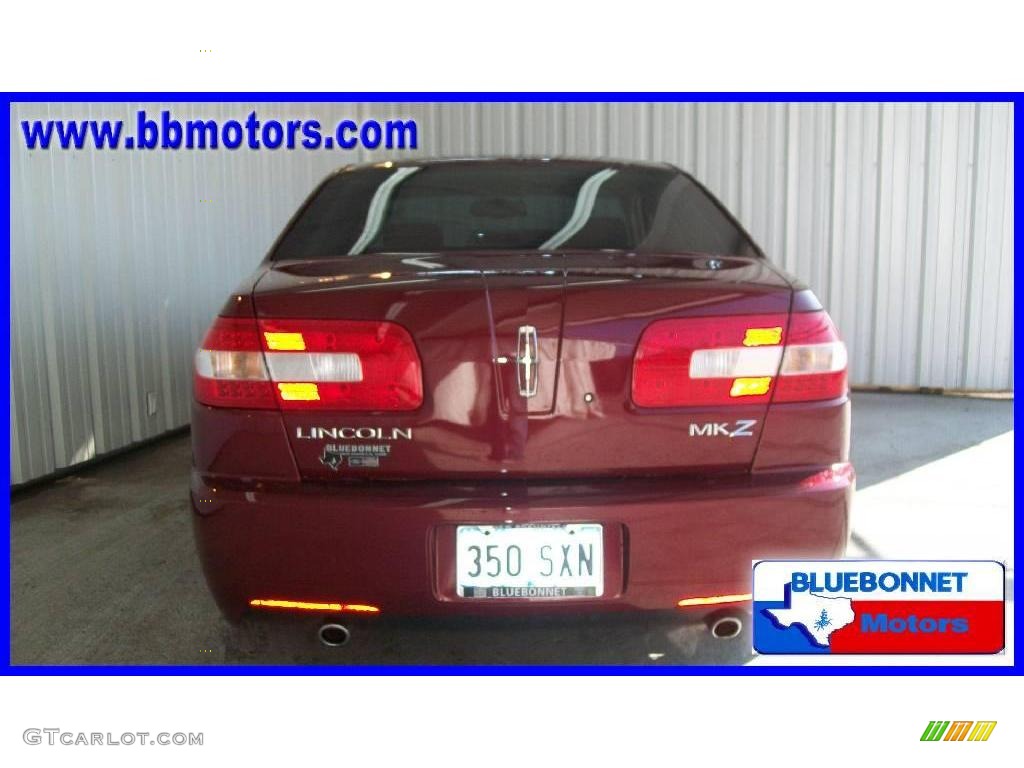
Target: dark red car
x,y
515,386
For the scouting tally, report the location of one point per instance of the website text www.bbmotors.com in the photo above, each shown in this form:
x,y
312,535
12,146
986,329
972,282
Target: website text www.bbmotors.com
x,y
166,132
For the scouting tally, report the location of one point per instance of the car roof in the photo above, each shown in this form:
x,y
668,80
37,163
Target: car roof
x,y
601,162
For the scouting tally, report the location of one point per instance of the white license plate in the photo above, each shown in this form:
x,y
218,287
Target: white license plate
x,y
529,561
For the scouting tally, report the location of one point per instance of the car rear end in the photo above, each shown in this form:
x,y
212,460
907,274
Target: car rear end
x,y
487,396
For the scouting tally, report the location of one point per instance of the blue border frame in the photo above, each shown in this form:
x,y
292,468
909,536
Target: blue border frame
x,y
452,96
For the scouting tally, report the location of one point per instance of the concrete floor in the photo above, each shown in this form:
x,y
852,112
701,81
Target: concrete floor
x,y
105,572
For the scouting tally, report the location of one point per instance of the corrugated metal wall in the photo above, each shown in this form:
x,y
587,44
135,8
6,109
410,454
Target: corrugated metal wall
x,y
900,216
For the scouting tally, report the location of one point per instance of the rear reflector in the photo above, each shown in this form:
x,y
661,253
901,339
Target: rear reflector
x,y
340,365
301,605
713,600
742,359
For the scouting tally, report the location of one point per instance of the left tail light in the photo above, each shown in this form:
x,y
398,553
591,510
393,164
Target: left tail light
x,y
339,365
229,367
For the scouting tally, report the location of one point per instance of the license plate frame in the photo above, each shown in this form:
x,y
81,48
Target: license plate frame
x,y
577,572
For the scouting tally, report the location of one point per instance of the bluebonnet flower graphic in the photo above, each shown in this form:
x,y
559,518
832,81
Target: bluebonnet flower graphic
x,y
823,620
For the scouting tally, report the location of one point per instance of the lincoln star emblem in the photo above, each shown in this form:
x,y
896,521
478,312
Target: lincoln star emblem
x,y
526,361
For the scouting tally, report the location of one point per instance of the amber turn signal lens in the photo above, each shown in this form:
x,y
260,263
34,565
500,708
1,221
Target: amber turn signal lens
x,y
284,341
298,391
759,337
745,387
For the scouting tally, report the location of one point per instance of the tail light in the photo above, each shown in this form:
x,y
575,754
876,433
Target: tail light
x,y
740,359
340,365
230,372
814,363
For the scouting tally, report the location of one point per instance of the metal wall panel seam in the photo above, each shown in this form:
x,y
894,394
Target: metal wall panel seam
x,y
969,267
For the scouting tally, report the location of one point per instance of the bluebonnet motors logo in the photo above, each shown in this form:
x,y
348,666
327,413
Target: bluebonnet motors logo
x,y
878,606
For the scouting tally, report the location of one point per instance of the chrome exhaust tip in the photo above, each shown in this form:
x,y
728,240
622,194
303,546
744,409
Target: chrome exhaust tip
x,y
333,635
725,627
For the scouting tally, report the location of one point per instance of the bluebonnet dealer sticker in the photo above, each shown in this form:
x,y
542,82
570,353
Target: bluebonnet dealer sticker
x,y
879,606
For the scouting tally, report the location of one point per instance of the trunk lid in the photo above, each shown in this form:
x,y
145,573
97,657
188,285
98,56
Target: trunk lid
x,y
527,362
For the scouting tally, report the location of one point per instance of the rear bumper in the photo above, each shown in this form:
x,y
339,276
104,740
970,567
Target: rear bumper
x,y
391,545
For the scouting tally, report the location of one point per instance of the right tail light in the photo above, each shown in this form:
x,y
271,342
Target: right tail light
x,y
814,360
746,359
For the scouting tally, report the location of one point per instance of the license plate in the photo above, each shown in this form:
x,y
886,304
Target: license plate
x,y
529,561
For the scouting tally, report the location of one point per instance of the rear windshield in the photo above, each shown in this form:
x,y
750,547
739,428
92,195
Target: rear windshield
x,y
515,206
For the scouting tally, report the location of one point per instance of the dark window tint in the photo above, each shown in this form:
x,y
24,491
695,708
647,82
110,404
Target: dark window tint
x,y
511,206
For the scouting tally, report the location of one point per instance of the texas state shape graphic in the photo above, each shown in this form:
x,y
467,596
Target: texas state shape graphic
x,y
818,616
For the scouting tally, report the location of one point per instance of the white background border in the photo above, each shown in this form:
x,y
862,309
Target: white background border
x,y
512,721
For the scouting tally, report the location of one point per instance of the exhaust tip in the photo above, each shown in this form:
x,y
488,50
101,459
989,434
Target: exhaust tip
x,y
334,635
726,627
